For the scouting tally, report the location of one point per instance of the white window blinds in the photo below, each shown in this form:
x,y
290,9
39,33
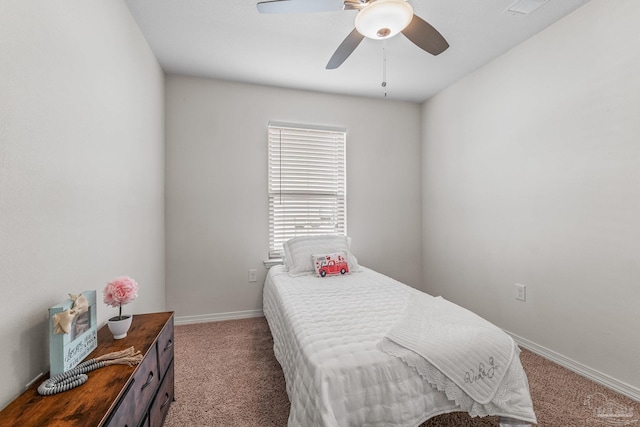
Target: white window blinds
x,y
307,183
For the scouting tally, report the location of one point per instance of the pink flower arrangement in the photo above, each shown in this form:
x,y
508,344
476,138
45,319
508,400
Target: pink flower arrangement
x,y
122,290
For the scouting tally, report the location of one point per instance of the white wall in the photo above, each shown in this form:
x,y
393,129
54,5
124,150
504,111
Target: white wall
x,y
81,169
531,174
216,186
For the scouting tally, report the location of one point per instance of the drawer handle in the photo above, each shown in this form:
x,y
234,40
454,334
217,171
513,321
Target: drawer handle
x,y
168,346
166,401
149,381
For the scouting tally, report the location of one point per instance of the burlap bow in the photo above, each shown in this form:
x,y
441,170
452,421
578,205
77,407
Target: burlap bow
x,y
62,321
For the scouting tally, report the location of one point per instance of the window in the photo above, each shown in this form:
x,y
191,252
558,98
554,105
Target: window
x,y
307,183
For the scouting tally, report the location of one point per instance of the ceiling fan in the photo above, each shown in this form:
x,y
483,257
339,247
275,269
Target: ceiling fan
x,y
376,19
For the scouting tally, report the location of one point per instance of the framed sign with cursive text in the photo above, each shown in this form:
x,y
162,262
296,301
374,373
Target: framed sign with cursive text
x,y
72,331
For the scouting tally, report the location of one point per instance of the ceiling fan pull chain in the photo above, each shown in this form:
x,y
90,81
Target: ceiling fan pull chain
x,y
384,68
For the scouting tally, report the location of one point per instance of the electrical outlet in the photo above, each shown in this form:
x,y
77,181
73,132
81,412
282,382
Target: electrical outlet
x,y
253,275
520,292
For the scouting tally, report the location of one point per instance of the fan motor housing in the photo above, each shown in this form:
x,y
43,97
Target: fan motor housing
x,y
384,18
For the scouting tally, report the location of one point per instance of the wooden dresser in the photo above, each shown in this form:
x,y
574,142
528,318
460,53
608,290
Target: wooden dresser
x,y
114,396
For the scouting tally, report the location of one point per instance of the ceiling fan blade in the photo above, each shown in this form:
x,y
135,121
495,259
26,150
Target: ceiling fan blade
x,y
423,35
345,49
299,6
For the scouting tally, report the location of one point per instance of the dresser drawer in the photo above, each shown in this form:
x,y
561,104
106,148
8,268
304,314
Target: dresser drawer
x,y
165,346
145,383
124,415
160,405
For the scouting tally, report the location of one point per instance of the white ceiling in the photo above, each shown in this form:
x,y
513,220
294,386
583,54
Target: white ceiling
x,y
230,40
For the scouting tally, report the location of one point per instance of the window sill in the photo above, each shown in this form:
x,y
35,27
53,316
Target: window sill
x,y
271,262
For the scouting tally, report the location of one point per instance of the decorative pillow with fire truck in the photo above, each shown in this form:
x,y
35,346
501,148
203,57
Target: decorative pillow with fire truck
x,y
331,264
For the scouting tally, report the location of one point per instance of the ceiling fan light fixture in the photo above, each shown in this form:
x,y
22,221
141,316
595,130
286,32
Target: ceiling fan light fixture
x,y
383,19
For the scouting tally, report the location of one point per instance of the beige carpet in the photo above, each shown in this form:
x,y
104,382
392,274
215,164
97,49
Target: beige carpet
x,y
226,375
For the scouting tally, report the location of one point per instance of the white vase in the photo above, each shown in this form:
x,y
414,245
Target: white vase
x,y
120,327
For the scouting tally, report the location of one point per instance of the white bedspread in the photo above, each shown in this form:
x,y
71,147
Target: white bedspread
x,y
326,332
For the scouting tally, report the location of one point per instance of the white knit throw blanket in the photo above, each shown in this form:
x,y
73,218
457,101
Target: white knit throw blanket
x,y
470,351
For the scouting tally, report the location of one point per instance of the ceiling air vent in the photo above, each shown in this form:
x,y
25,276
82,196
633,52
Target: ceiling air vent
x,y
525,7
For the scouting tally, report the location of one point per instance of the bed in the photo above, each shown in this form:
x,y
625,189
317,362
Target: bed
x,y
333,337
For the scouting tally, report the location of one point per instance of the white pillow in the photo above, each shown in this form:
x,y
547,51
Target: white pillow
x,y
298,252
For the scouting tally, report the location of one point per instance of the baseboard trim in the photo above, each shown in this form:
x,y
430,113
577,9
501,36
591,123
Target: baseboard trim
x,y
217,317
580,369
